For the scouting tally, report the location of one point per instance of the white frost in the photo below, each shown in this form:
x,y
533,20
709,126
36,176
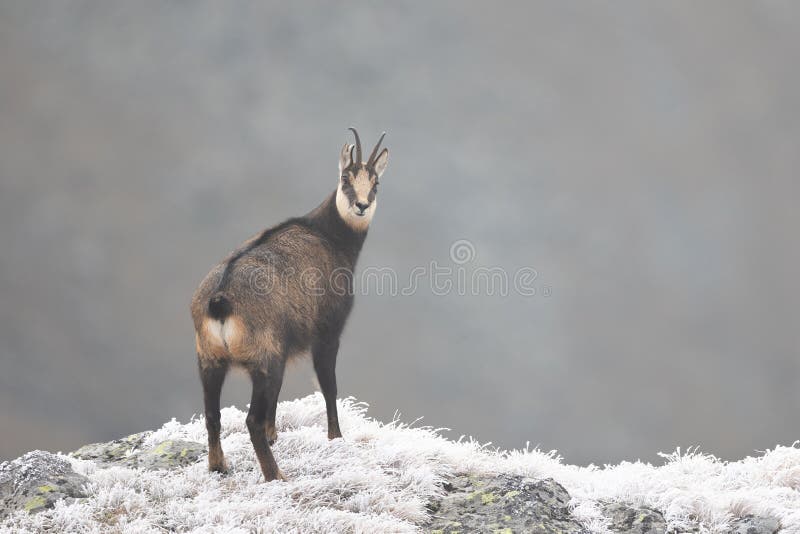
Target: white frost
x,y
380,476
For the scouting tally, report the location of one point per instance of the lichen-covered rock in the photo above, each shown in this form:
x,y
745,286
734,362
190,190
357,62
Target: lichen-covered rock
x,y
629,520
754,525
130,452
503,504
37,480
117,452
170,454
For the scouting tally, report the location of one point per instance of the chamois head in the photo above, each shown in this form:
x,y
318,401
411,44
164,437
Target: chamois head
x,y
358,183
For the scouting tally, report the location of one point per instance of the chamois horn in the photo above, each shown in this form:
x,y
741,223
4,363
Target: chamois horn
x,y
371,160
358,146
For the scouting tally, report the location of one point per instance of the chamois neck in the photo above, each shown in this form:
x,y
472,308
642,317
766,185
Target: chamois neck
x,y
327,220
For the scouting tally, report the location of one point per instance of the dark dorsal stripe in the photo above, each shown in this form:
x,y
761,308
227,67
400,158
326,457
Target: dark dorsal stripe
x,y
260,240
323,221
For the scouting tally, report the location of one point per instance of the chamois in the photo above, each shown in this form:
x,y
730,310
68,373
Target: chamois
x,y
284,292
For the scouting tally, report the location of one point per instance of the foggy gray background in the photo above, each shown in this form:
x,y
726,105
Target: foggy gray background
x,y
642,158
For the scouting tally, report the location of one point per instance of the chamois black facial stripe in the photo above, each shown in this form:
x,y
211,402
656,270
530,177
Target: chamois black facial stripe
x,y
350,193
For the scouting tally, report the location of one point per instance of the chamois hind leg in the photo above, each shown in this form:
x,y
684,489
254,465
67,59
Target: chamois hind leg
x,y
256,421
212,377
324,355
275,368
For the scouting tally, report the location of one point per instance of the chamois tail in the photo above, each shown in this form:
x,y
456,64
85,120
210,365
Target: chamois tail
x,y
219,307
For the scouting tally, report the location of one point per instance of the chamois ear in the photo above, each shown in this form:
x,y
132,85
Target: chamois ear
x,y
346,157
381,161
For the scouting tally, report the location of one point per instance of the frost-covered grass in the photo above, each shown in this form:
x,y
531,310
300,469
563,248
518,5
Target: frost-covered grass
x,y
380,476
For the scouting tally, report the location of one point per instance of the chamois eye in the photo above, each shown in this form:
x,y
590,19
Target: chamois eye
x,y
344,178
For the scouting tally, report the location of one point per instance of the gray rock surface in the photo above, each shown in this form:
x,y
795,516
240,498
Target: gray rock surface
x,y
117,452
129,452
37,480
170,454
629,520
755,525
505,504
511,504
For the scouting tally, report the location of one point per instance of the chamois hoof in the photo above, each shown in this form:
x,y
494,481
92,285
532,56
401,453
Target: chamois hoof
x,y
218,468
279,477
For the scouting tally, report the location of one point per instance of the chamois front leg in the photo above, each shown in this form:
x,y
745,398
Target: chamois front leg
x,y
256,423
212,377
324,355
275,368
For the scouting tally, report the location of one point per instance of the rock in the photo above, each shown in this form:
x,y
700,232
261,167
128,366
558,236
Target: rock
x,y
503,504
129,452
754,525
629,520
117,452
171,453
37,480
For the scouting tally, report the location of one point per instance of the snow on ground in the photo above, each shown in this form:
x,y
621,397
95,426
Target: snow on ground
x,y
380,476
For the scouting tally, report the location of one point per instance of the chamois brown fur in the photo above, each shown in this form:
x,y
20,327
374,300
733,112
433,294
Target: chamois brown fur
x,y
286,291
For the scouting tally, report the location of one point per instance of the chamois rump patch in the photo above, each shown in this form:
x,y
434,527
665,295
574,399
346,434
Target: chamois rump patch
x,y
231,340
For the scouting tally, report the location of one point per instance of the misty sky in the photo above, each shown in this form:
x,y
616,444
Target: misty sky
x,y
642,159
